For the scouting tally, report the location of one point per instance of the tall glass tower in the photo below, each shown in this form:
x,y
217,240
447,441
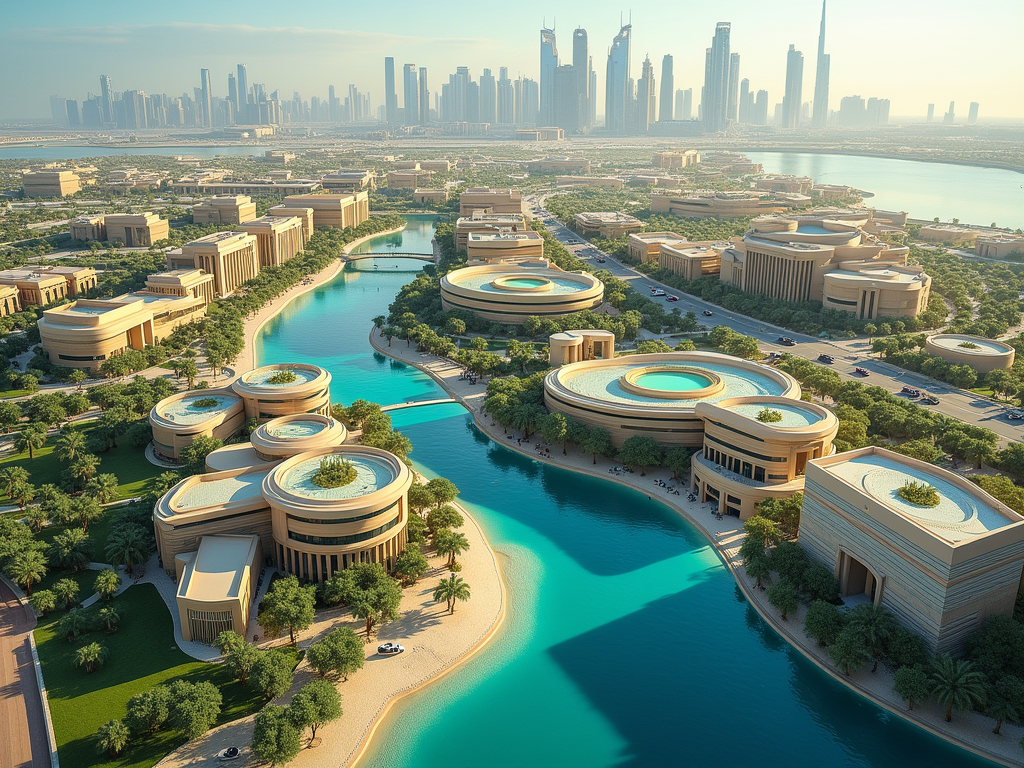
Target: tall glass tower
x,y
548,65
581,69
820,115
715,99
617,95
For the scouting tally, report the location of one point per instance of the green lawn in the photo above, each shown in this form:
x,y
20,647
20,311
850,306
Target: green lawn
x,y
142,654
85,581
129,464
7,394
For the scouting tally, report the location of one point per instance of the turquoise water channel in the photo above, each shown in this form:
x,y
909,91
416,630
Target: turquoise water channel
x,y
627,642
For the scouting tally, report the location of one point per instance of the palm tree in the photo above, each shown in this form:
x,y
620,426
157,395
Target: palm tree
x,y
450,543
27,568
73,623
70,445
107,583
876,625
1001,710
110,618
112,737
84,467
103,487
127,546
90,656
65,590
70,549
23,493
451,589
11,477
85,510
31,438
957,684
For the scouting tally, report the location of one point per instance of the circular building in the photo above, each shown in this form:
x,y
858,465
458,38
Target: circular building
x,y
284,389
983,355
506,293
179,419
287,436
656,395
318,530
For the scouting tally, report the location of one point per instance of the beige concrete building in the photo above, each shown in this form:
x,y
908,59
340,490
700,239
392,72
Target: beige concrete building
x,y
50,183
278,156
333,210
686,158
942,233
717,205
831,191
183,283
941,570
282,390
693,260
36,288
491,201
181,418
983,355
567,165
406,165
136,230
231,257
304,215
574,346
216,586
205,186
409,179
9,300
487,222
607,224
505,293
87,228
504,246
277,239
540,134
441,166
224,209
798,184
601,182
999,246
430,196
349,182
645,246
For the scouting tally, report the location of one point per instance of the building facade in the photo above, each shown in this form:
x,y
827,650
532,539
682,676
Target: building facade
x,y
277,239
136,230
491,201
231,257
224,209
333,210
50,183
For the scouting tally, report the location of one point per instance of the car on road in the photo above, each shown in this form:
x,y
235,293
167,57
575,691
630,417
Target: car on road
x,y
930,400
1015,413
910,392
707,313
672,298
786,341
823,358
860,371
657,291
600,260
389,649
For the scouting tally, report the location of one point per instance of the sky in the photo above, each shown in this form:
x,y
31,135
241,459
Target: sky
x,y
910,51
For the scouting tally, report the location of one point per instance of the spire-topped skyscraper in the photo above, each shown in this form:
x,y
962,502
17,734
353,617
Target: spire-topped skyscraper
x,y
820,115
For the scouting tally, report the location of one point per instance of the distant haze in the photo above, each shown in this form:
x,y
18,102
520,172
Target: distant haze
x,y
910,51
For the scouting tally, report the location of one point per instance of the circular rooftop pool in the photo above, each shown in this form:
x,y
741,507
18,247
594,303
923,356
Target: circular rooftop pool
x,y
372,474
185,411
296,429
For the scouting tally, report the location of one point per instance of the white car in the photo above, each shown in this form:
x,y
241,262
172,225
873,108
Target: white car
x,y
389,649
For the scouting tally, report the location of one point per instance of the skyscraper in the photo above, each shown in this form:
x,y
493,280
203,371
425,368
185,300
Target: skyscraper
x,y
791,101
390,94
506,106
233,93
581,69
734,86
931,112
488,98
204,77
617,90
424,97
645,102
715,99
566,99
972,112
820,116
410,94
106,99
746,102
667,110
548,64
949,117
687,113
760,116
243,94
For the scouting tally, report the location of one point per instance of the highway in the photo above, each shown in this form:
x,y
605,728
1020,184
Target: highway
x,y
849,354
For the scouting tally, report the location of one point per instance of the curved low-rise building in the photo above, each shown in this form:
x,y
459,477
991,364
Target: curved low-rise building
x,y
510,294
288,436
284,389
181,418
656,395
983,355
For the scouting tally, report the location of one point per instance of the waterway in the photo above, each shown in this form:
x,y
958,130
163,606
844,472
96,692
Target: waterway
x,y
627,642
972,194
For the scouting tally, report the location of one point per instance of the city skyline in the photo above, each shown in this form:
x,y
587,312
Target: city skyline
x,y
943,72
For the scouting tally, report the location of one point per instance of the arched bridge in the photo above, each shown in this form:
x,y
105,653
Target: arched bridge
x,y
388,255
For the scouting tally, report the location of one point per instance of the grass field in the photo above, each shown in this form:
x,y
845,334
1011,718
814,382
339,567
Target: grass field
x,y
143,654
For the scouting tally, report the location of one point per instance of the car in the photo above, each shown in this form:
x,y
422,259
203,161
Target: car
x,y
600,260
910,392
930,400
672,298
786,341
707,313
657,291
861,371
823,358
390,649
231,753
1015,413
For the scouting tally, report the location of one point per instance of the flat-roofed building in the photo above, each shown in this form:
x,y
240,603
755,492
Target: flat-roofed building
x,y
50,183
942,569
349,181
569,165
277,239
79,279
10,301
333,210
645,246
278,156
216,585
718,205
570,347
433,196
686,158
999,246
193,186
540,134
442,166
231,257
406,165
692,260
602,182
136,230
504,246
799,184
185,283
36,288
940,233
87,228
304,215
831,191
487,222
491,200
609,224
408,179
224,209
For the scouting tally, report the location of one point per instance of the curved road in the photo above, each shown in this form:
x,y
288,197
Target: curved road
x,y
23,742
849,353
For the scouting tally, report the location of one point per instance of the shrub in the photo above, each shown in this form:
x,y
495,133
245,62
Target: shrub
x,y
769,415
921,494
205,402
284,376
334,473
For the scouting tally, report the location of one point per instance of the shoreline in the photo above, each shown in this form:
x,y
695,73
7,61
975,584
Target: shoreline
x,y
726,539
996,166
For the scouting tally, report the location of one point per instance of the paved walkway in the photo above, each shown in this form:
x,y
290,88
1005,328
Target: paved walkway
x,y
23,741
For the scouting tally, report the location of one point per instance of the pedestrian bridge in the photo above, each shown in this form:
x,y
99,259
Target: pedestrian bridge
x,y
417,403
388,255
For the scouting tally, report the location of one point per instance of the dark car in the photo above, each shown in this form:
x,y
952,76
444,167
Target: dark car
x,y
600,260
786,341
910,392
930,400
823,358
860,371
708,313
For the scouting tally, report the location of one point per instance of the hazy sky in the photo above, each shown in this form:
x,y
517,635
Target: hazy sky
x,y
910,51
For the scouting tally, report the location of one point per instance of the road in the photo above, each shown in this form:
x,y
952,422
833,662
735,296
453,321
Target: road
x,y
23,741
849,354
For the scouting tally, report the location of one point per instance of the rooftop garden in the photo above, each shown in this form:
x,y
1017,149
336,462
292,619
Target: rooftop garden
x,y
334,472
919,494
769,415
284,376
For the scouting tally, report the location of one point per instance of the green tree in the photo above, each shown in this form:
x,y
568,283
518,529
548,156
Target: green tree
x,y
194,455
146,712
783,595
758,569
785,513
70,445
84,467
443,490
820,584
238,654
12,477
639,451
73,623
27,568
112,738
451,589
678,460
339,651
912,685
271,673
103,488
416,530
43,601
287,606
368,590
194,707
77,377
127,545
420,498
444,518
107,583
109,617
1005,698
823,622
315,704
956,684
85,510
66,590
763,530
275,739
91,657
450,544
555,429
849,651
789,561
31,438
597,440
10,415
876,626
411,564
